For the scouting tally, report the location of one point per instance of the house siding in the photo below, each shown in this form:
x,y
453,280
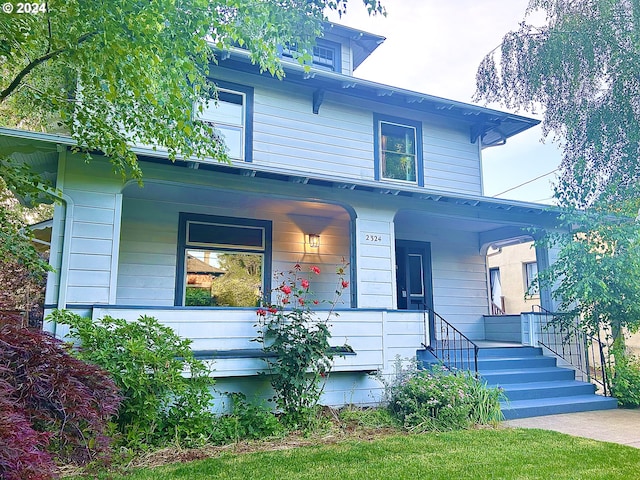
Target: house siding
x,y
338,142
149,245
375,240
93,242
458,276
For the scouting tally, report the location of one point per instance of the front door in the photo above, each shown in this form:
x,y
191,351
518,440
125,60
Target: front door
x,y
413,275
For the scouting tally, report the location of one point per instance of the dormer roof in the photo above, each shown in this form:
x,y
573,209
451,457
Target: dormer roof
x,y
362,43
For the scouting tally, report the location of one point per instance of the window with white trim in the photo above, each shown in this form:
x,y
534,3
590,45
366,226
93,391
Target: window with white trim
x,y
530,274
231,115
222,261
398,150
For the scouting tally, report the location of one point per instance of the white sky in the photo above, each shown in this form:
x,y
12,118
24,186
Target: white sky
x,y
435,47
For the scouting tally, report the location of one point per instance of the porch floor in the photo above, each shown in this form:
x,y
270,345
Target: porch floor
x,y
494,344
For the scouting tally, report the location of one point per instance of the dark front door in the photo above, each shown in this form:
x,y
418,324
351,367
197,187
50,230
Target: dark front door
x,y
413,275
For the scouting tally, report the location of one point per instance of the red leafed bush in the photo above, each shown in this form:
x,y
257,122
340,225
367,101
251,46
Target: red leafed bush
x,y
22,453
57,406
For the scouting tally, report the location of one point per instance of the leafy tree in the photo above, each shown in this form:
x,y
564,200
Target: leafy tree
x,y
598,267
21,266
109,73
112,72
582,68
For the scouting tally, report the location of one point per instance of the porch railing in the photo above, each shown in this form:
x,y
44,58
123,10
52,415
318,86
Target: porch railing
x,y
559,333
450,345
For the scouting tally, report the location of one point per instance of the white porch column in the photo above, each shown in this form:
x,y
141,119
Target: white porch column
x,y
375,257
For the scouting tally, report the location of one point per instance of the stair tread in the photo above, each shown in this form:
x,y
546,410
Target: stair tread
x,y
519,358
507,371
569,400
546,384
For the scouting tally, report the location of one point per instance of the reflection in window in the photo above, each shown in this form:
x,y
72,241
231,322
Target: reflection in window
x,y
217,278
222,261
398,151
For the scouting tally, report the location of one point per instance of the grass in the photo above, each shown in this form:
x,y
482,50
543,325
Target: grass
x,y
478,454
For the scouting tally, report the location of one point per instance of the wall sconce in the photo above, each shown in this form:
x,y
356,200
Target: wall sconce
x,y
313,239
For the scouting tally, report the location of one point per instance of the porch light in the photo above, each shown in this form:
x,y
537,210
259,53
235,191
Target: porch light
x,y
313,239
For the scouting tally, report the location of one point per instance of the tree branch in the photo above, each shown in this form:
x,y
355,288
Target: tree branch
x,y
33,64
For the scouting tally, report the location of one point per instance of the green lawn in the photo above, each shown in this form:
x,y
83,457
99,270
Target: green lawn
x,y
495,454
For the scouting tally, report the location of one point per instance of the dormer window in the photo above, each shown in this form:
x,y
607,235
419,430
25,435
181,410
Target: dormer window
x,y
326,55
232,117
398,150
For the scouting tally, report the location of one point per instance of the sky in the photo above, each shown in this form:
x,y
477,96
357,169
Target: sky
x,y
435,47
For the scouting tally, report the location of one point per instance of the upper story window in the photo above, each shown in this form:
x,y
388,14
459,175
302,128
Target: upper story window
x,y
232,116
326,55
398,150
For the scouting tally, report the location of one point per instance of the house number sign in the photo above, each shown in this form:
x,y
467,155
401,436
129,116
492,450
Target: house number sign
x,y
372,238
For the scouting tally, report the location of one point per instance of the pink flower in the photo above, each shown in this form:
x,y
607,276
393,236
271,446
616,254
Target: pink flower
x,y
286,289
316,302
261,312
315,270
301,301
345,284
273,310
305,283
297,267
285,300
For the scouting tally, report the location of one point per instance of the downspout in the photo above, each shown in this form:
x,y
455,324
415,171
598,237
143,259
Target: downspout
x,y
481,165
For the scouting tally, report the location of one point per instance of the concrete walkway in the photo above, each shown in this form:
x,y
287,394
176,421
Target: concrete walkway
x,y
616,426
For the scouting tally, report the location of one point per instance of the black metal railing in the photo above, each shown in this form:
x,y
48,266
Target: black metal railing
x,y
587,355
449,345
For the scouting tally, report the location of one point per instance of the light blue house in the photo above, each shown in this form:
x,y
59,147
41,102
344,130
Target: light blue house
x,y
325,166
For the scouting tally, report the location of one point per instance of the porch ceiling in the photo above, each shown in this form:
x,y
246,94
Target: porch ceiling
x,y
206,195
436,222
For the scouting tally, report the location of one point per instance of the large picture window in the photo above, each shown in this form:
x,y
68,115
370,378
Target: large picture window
x,y
398,150
222,261
232,117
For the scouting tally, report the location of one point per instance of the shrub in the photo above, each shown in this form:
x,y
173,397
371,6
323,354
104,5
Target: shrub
x,y
22,449
247,421
52,405
625,385
442,400
166,390
299,339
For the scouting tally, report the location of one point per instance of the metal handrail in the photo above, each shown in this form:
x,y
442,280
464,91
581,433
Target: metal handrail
x,y
585,353
452,347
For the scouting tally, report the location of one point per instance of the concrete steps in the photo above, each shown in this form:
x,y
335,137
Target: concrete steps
x,y
532,383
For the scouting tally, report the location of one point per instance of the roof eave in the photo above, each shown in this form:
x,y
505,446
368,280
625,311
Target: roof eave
x,y
485,122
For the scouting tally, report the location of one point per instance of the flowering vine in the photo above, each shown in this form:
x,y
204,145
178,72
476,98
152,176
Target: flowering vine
x,y
299,339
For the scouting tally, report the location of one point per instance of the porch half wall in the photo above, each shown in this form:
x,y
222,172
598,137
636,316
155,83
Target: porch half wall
x,y
376,336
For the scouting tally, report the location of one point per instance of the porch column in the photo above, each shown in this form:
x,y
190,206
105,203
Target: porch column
x,y
542,258
89,275
375,258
